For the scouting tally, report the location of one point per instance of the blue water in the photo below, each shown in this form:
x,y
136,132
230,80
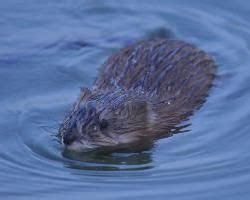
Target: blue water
x,y
49,48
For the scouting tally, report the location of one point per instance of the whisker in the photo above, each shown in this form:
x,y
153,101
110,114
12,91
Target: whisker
x,y
56,139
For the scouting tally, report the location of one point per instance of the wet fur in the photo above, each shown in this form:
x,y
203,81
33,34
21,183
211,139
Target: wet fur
x,y
142,91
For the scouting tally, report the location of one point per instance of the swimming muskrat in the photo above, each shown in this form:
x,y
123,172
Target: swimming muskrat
x,y
140,94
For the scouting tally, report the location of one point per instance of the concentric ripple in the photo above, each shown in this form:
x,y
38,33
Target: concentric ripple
x,y
59,47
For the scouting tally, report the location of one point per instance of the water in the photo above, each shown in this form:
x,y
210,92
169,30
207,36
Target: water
x,y
50,48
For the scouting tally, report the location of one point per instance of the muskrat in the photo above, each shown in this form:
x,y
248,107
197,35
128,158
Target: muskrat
x,y
140,94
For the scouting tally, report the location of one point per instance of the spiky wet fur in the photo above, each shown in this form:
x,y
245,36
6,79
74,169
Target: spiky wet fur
x,y
141,92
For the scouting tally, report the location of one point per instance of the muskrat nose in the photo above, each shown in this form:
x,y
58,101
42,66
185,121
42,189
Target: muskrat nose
x,y
69,138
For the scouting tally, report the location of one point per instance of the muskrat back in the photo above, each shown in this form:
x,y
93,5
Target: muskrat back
x,y
140,93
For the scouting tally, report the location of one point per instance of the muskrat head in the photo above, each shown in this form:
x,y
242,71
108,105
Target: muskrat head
x,y
104,120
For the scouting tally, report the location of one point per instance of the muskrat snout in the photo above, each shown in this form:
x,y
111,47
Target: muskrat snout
x,y
69,138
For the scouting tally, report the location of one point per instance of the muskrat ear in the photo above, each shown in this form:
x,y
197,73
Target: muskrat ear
x,y
85,93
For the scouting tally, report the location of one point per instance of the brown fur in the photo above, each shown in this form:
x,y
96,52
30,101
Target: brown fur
x,y
141,92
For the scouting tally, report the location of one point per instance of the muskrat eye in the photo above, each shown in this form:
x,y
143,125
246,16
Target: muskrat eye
x,y
103,124
95,128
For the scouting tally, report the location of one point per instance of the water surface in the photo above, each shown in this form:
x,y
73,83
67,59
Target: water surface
x,y
48,49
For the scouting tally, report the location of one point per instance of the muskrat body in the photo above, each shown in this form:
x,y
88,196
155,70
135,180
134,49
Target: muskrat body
x,y
140,94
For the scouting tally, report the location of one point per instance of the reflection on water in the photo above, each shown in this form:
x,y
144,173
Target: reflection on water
x,y
49,49
108,161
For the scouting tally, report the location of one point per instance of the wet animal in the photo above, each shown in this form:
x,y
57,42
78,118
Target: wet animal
x,y
140,94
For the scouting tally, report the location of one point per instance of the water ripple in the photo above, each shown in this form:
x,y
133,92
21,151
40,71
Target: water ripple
x,y
61,48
